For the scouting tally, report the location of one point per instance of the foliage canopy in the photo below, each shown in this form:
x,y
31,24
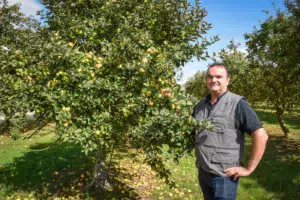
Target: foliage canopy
x,y
104,72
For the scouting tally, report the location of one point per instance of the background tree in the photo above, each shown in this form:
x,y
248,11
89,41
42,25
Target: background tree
x,y
18,38
104,72
196,85
274,49
294,7
243,79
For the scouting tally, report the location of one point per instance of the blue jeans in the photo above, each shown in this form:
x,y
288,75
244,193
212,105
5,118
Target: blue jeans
x,y
216,187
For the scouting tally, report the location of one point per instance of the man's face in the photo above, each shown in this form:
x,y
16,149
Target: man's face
x,y
217,80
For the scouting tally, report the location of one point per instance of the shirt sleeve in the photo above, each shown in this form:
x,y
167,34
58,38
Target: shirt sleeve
x,y
246,118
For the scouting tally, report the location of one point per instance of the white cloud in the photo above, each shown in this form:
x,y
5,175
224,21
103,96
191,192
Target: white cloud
x,y
28,7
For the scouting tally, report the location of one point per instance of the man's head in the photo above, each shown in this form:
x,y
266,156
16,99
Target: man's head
x,y
217,78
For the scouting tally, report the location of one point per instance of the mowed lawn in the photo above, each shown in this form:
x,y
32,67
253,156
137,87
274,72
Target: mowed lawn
x,y
44,168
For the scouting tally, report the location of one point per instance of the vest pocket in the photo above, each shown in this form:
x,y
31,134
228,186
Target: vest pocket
x,y
220,113
204,155
219,125
230,156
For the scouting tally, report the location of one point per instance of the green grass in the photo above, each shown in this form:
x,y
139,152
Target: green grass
x,y
11,149
277,176
41,167
44,168
292,119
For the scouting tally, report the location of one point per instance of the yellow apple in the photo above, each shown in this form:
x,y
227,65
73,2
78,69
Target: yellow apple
x,y
172,80
87,55
169,94
152,83
70,44
173,106
163,91
92,74
98,65
119,67
151,103
150,51
142,70
148,92
144,60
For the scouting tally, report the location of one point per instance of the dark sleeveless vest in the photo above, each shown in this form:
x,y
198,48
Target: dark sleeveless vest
x,y
222,148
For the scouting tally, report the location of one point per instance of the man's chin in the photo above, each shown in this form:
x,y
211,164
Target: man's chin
x,y
214,89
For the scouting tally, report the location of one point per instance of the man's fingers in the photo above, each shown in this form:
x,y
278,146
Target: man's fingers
x,y
230,171
226,170
235,177
236,172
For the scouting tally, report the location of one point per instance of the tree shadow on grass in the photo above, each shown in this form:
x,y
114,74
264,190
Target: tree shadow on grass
x,y
60,170
279,169
48,170
270,118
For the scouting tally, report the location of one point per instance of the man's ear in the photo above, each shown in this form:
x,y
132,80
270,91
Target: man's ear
x,y
228,79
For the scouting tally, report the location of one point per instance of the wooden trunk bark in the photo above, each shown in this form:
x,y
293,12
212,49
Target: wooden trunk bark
x,y
284,128
100,180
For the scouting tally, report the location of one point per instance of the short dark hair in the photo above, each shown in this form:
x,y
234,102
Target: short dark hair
x,y
218,64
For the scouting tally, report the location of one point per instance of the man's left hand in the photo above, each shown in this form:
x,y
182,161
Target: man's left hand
x,y
237,171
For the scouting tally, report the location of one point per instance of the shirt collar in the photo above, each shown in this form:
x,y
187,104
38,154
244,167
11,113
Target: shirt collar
x,y
208,97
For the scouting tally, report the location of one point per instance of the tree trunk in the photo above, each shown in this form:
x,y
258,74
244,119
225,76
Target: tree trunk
x,y
279,115
100,182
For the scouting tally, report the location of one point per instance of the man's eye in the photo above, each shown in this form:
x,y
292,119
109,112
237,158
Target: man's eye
x,y
217,77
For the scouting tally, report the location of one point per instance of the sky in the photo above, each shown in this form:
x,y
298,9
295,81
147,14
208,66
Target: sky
x,y
29,7
230,19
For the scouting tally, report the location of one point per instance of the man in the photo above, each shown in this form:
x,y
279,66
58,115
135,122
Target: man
x,y
219,151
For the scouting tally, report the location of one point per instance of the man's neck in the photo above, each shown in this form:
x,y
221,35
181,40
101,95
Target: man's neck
x,y
215,96
214,99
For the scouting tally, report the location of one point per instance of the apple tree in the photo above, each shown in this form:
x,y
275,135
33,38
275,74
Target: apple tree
x,y
18,36
104,72
294,7
196,85
243,78
275,51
